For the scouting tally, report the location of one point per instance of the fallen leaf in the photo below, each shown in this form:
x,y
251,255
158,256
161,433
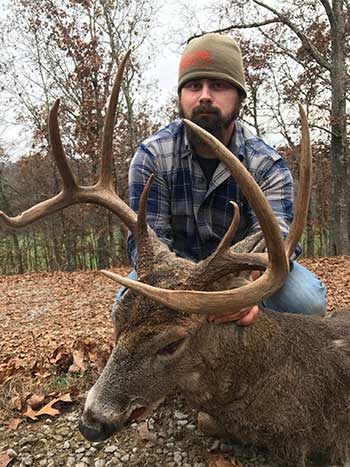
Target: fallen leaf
x,y
220,461
64,398
79,362
5,459
48,409
35,401
145,434
62,358
16,401
14,423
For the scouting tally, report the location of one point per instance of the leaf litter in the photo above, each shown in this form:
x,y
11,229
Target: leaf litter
x,y
57,331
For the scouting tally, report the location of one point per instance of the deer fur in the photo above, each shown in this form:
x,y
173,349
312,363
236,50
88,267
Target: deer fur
x,y
281,383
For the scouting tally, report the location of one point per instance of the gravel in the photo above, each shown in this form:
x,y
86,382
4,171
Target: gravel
x,y
172,440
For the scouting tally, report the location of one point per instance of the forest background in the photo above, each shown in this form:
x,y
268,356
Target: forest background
x,y
70,49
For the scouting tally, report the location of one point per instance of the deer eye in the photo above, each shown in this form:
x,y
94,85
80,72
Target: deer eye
x,y
170,349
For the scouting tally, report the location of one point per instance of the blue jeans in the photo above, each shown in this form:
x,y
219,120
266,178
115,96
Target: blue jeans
x,y
302,293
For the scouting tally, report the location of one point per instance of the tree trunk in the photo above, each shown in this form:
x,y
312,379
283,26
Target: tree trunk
x,y
19,260
339,235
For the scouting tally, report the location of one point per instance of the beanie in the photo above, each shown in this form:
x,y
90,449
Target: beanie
x,y
212,56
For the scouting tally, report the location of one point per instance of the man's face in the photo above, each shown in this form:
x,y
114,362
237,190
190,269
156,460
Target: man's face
x,y
213,104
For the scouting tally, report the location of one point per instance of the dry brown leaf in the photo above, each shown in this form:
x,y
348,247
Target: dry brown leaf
x,y
220,461
64,398
16,401
5,459
14,423
79,362
145,434
48,409
61,357
35,401
10,369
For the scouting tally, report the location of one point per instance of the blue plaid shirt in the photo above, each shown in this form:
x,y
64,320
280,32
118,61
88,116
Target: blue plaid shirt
x,y
186,214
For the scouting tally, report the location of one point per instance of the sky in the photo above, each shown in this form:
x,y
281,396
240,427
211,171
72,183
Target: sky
x,y
164,67
170,18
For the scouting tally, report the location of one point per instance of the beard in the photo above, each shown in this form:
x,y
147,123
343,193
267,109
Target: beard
x,y
210,118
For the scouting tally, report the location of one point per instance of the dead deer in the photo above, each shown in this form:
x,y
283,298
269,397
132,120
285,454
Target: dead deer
x,y
281,383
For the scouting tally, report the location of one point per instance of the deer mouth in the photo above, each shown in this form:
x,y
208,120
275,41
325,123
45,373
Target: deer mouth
x,y
141,410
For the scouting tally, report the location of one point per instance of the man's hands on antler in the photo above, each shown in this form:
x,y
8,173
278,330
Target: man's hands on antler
x,y
254,243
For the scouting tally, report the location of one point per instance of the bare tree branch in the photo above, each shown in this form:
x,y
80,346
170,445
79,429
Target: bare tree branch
x,y
303,38
239,26
328,8
284,50
326,130
279,18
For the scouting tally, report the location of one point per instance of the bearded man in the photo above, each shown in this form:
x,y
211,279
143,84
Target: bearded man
x,y
189,202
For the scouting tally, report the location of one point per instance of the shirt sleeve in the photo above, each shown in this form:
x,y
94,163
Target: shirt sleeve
x,y
276,182
143,165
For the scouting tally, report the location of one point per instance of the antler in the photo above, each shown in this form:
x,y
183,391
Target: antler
x,y
102,193
277,269
225,258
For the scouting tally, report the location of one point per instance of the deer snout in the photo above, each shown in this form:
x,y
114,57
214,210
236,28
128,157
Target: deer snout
x,y
95,428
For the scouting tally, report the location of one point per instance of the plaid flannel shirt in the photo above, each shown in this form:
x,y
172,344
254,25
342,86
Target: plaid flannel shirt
x,y
190,217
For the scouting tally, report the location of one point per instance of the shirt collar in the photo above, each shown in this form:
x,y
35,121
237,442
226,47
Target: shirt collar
x,y
187,152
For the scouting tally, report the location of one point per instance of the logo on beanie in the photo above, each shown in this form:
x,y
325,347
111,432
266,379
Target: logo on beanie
x,y
193,59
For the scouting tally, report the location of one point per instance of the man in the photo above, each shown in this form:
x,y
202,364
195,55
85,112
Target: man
x,y
189,202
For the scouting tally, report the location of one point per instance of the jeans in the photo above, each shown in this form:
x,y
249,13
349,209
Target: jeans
x,y
302,293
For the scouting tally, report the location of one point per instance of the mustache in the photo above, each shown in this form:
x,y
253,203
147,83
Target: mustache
x,y
205,108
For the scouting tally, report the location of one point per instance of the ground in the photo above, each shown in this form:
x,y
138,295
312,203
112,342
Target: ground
x,y
56,336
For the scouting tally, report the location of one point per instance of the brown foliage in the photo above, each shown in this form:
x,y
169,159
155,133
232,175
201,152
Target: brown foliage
x,y
57,327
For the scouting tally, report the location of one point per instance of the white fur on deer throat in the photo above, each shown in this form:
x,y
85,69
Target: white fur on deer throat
x,y
193,383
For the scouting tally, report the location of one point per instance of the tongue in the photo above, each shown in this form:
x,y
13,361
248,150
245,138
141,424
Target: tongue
x,y
137,413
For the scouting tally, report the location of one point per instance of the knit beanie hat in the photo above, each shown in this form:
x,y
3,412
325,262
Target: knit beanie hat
x,y
212,56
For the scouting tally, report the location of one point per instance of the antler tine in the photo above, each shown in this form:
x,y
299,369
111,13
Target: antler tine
x,y
68,179
226,241
301,205
224,261
106,178
102,193
141,217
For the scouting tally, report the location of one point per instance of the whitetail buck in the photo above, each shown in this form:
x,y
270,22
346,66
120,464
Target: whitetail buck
x,y
281,383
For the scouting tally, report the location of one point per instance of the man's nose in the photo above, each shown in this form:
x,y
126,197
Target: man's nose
x,y
205,95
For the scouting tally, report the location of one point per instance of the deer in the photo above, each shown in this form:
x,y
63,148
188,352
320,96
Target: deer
x,y
281,383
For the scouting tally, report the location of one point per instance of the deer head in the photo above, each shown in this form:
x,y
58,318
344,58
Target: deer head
x,y
162,318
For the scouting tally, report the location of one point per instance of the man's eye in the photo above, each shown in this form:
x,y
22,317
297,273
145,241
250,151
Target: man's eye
x,y
219,86
193,86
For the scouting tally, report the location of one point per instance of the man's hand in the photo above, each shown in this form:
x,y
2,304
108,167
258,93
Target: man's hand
x,y
243,317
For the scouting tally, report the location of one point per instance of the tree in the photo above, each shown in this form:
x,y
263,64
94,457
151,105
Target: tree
x,y
314,35
71,49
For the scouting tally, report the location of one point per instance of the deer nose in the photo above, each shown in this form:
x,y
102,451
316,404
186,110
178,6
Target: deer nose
x,y
94,429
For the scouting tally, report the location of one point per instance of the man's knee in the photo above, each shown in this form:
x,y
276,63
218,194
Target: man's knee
x,y
302,293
